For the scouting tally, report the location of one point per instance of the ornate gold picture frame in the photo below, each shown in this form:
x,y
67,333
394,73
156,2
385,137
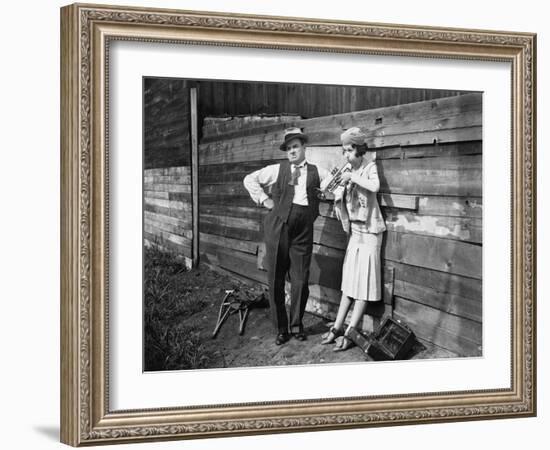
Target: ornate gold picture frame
x,y
87,32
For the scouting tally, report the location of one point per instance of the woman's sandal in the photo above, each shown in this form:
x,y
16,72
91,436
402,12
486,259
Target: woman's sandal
x,y
331,336
344,344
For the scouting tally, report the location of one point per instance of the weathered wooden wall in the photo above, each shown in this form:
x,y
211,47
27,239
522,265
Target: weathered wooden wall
x,y
166,116
166,104
167,209
430,164
233,98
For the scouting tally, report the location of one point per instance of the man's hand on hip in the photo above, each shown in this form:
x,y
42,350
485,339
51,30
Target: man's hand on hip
x,y
268,203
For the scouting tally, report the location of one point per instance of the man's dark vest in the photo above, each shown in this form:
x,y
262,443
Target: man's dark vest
x,y
283,192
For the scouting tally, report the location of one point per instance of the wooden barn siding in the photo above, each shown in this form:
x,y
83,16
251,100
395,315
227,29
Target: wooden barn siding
x,y
307,100
430,195
166,109
168,209
166,139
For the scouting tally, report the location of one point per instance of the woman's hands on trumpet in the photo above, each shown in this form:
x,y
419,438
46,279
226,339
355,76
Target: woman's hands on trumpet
x,y
342,178
330,186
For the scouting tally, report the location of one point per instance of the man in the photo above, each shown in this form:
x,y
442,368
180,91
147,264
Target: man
x,y
288,229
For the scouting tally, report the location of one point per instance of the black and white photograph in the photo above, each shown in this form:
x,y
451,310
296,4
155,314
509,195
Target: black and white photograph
x,y
300,224
275,224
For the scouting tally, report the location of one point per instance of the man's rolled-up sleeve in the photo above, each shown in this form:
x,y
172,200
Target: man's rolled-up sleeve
x,y
255,182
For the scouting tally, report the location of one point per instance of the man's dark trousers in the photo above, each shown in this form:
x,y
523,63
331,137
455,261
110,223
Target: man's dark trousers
x,y
293,256
289,243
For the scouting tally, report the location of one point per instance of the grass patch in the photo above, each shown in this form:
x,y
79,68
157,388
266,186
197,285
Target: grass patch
x,y
169,299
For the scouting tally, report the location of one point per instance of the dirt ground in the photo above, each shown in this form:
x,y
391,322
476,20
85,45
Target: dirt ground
x,y
256,346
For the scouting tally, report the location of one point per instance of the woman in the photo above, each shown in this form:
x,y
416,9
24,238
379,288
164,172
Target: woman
x,y
357,207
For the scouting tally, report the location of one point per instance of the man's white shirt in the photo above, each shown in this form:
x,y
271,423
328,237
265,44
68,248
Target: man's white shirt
x,y
255,182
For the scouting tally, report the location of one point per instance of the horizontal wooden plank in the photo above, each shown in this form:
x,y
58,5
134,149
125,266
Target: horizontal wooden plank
x,y
228,221
159,228
168,246
159,98
398,201
325,270
232,152
169,224
378,118
223,209
169,137
180,213
230,173
156,209
443,120
414,123
168,171
168,130
444,255
170,156
166,179
431,150
175,250
177,239
335,98
184,188
435,136
329,157
166,113
329,232
184,197
459,228
451,206
215,128
449,163
471,207
441,282
171,101
221,198
173,113
167,203
230,232
171,121
395,201
457,334
229,243
174,221
242,200
155,194
235,261
444,176
164,236
223,189
452,304
208,260
428,182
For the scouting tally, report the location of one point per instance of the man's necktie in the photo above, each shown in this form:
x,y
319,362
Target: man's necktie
x,y
294,176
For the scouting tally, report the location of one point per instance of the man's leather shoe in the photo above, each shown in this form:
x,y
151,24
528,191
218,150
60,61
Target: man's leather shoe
x,y
282,338
300,336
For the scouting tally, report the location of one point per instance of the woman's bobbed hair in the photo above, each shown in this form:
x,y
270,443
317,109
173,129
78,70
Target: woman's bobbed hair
x,y
360,150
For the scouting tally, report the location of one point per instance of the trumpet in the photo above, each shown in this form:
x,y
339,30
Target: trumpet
x,y
334,181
